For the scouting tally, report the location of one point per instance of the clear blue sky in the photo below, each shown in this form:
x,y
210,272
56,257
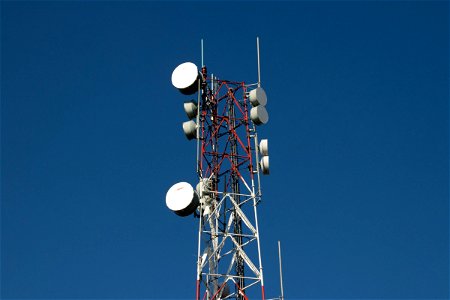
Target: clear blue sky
x,y
91,140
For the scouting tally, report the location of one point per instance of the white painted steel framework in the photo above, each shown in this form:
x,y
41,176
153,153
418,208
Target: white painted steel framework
x,y
229,262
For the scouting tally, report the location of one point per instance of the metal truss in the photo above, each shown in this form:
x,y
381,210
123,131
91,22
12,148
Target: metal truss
x,y
229,258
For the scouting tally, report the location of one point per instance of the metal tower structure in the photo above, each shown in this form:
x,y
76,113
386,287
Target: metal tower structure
x,y
230,161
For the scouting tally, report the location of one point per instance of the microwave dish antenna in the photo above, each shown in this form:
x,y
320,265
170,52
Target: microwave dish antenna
x,y
182,199
185,78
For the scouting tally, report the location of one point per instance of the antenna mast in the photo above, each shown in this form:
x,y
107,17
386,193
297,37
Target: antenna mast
x,y
202,52
281,271
230,159
259,64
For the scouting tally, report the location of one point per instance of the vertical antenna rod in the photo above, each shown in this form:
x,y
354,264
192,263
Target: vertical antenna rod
x,y
281,271
202,51
198,120
199,257
259,65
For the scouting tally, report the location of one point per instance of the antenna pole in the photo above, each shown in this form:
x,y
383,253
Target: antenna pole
x,y
202,51
281,271
259,65
229,259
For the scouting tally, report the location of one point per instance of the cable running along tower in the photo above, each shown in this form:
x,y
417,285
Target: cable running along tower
x,y
230,160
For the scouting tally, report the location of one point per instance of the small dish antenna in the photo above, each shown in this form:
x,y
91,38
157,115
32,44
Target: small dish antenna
x,y
264,150
264,147
190,129
190,107
265,165
259,115
258,97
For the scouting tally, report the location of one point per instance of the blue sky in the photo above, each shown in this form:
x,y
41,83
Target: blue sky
x,y
91,140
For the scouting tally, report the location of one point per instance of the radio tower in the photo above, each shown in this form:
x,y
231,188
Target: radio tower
x,y
230,160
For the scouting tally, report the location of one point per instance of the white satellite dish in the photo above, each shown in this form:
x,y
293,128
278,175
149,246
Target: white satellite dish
x,y
190,107
264,163
190,129
185,78
259,115
264,147
258,97
182,199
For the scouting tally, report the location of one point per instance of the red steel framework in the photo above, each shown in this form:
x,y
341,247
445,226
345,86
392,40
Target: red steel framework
x,y
229,188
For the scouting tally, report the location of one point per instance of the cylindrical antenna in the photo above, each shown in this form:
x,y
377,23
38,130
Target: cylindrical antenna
x,y
281,271
259,65
202,51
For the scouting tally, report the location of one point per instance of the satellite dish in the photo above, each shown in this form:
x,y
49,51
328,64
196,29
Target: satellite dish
x,y
190,107
258,97
190,129
259,115
264,147
185,78
182,199
264,163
